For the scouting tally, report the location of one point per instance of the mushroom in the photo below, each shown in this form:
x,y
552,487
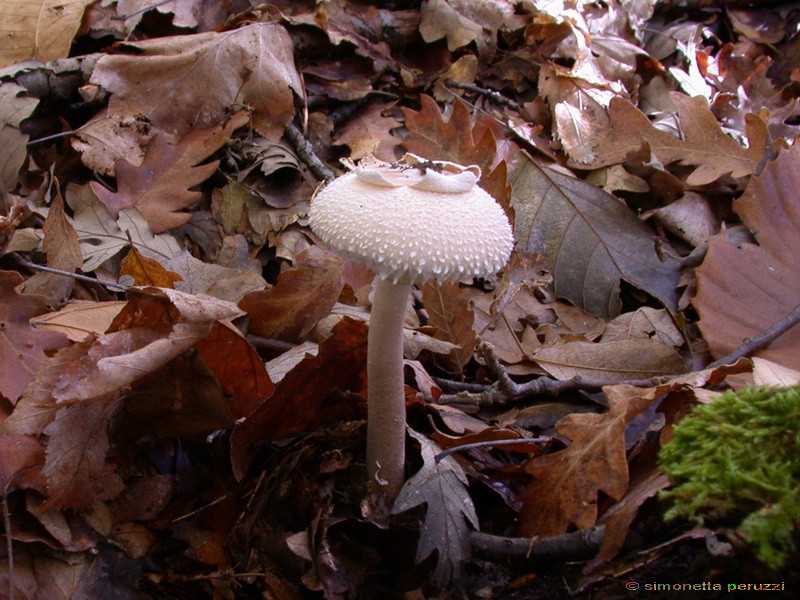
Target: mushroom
x,y
409,222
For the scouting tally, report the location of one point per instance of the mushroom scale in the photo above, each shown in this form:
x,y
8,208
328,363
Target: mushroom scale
x,y
414,234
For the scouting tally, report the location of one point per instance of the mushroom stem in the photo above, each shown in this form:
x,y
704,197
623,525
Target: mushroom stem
x,y
386,406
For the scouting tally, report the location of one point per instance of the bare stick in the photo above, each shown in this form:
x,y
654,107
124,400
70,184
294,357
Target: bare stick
x,y
576,544
306,153
78,276
492,95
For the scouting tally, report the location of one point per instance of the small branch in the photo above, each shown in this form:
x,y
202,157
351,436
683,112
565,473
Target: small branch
x,y
492,95
752,345
574,545
491,443
306,153
78,276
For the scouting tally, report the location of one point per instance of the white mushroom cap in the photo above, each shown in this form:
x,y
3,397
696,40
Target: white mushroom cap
x,y
414,222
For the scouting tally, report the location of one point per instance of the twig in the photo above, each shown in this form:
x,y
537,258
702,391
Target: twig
x,y
576,544
751,345
78,276
490,443
492,95
306,153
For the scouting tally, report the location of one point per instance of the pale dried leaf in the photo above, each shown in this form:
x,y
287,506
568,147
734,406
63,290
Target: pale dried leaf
x,y
14,108
40,29
80,319
442,485
634,358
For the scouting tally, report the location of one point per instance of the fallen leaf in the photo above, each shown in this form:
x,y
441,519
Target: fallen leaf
x,y
448,309
76,469
440,20
15,107
590,239
21,460
645,322
22,347
442,486
290,310
101,236
299,401
704,143
456,139
146,271
40,29
238,368
206,74
634,358
80,319
159,187
742,291
691,218
766,372
370,133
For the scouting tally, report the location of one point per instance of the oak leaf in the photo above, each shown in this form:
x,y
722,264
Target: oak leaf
x,y
159,187
442,486
146,271
742,291
449,311
101,236
703,144
22,348
14,108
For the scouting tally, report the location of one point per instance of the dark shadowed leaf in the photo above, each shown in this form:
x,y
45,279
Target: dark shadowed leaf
x,y
590,239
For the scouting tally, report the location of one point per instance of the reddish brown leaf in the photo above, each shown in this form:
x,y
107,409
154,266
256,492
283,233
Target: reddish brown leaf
x,y
449,310
22,348
21,459
291,309
238,368
742,291
299,401
457,139
566,483
76,468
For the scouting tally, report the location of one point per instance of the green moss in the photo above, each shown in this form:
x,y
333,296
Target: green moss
x,y
739,458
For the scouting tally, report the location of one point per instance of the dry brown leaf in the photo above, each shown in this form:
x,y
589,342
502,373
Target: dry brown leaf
x,y
15,106
146,271
456,139
80,319
206,75
370,133
742,291
449,311
40,29
159,187
299,401
291,309
691,218
22,348
704,143
237,367
634,358
645,322
565,486
440,20
590,239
